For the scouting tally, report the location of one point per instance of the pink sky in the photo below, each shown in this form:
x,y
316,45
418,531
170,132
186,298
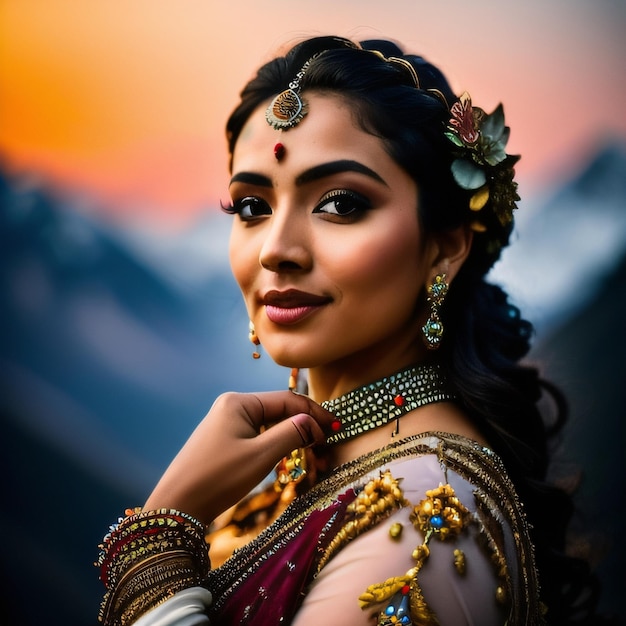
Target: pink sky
x,y
126,101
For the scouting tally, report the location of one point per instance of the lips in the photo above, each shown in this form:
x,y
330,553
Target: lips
x,y
293,298
291,306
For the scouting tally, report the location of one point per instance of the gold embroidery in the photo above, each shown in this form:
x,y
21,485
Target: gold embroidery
x,y
497,501
409,601
395,532
459,561
377,500
442,515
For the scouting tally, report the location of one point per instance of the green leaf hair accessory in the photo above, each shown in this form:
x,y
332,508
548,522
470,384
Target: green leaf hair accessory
x,y
482,164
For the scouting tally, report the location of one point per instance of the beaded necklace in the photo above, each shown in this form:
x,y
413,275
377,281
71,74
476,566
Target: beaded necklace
x,y
380,402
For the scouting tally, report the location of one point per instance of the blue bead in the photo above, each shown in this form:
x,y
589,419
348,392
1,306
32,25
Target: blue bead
x,y
436,521
390,610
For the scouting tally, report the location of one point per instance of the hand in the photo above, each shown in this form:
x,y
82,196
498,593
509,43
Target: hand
x,y
234,447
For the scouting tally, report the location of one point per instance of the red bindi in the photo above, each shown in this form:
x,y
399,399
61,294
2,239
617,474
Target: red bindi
x,y
279,151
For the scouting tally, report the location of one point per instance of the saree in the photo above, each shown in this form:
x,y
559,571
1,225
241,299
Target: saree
x,y
267,580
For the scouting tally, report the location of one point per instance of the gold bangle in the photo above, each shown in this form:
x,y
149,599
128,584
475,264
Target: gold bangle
x,y
150,583
146,559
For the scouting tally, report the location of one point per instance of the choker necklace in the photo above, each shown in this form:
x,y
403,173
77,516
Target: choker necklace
x,y
378,403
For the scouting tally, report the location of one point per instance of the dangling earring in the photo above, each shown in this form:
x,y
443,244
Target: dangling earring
x,y
293,379
254,339
433,328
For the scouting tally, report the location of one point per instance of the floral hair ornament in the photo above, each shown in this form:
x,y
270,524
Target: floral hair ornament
x,y
482,164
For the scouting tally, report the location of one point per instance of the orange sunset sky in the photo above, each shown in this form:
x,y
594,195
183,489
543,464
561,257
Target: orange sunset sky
x,y
124,101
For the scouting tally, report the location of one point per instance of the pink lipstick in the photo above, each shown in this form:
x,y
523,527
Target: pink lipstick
x,y
291,306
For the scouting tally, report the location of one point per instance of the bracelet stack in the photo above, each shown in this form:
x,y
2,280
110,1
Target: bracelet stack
x,y
146,558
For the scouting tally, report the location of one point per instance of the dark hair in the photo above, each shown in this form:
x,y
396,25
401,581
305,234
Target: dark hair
x,y
485,335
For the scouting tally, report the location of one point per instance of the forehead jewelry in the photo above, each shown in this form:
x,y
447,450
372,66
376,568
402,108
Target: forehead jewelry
x,y
288,109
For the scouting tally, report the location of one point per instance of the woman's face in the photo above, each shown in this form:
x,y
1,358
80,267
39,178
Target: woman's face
x,y
327,247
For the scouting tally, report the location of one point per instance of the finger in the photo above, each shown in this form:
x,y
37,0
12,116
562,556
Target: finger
x,y
268,408
309,430
299,431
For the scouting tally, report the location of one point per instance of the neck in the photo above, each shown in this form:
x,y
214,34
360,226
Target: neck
x,y
335,379
389,398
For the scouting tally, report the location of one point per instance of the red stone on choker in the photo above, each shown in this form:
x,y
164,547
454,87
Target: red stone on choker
x,y
387,399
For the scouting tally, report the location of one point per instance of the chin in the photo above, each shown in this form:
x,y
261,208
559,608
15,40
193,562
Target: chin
x,y
289,357
289,361
286,351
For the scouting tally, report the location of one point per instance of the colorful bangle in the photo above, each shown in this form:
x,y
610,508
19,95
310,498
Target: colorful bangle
x,y
147,557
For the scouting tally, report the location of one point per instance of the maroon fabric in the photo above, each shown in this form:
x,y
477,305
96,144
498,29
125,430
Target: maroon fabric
x,y
269,586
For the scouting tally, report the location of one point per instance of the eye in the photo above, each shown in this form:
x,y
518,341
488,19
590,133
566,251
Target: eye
x,y
249,208
343,203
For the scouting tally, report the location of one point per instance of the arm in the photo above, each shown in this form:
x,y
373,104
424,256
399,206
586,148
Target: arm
x,y
237,445
154,554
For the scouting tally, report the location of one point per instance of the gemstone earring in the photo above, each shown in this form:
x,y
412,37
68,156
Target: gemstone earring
x,y
433,328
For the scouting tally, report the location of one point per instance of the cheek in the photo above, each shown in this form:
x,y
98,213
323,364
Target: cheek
x,y
242,261
391,261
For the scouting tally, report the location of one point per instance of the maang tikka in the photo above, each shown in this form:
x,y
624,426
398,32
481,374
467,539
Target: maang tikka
x,y
433,328
288,109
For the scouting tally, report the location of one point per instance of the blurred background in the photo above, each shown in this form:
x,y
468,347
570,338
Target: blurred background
x,y
120,319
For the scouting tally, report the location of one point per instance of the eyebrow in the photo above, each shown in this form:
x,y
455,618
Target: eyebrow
x,y
336,167
315,173
251,179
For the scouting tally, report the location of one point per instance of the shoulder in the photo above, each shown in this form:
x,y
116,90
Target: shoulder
x,y
453,546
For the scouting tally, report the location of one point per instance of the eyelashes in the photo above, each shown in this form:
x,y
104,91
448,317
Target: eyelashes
x,y
343,203
247,208
339,205
228,208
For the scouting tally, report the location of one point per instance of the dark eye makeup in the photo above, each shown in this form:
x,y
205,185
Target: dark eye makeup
x,y
339,205
248,208
343,203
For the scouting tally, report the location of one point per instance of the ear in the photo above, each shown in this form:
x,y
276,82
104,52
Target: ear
x,y
450,250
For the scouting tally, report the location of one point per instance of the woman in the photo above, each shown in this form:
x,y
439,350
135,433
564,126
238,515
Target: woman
x,y
369,202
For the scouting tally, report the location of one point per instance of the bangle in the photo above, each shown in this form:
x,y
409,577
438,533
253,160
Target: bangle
x,y
147,557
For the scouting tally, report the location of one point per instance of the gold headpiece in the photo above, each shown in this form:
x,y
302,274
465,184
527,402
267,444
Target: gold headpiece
x,y
288,109
402,63
481,164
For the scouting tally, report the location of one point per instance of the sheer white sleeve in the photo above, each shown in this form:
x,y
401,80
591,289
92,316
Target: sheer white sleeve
x,y
186,608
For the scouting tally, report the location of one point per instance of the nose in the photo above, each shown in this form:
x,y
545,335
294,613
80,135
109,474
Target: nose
x,y
287,246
